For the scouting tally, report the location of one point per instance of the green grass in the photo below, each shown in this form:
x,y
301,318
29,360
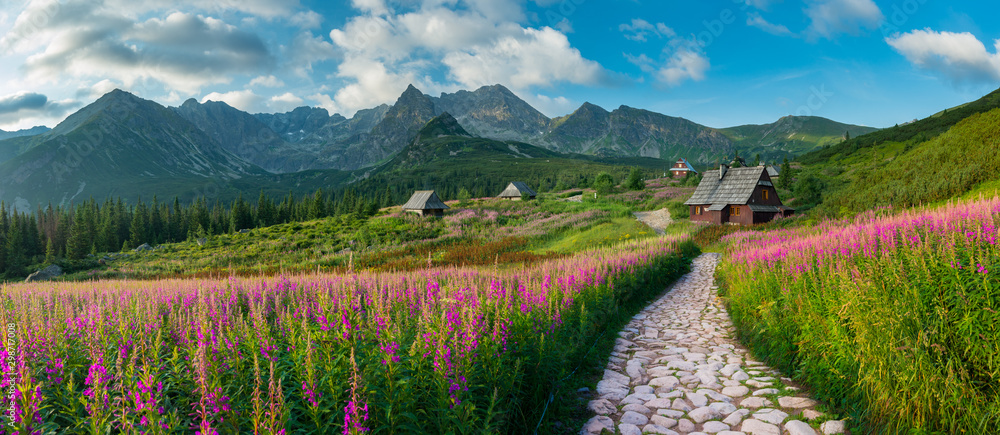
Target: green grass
x,y
603,234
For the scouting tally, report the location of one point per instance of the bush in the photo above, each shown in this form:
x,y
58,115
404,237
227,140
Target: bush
x,y
603,184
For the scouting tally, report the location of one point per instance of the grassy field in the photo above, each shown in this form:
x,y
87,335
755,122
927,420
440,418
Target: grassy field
x,y
890,317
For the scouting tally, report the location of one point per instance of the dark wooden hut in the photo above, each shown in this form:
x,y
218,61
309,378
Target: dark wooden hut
x,y
516,190
742,196
425,203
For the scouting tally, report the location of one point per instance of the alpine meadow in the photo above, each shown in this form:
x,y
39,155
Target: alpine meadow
x,y
506,217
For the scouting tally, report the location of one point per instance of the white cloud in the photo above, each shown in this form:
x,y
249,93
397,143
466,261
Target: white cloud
x,y
960,56
754,19
685,64
183,51
284,102
829,18
267,82
307,19
640,29
551,106
244,100
16,108
481,44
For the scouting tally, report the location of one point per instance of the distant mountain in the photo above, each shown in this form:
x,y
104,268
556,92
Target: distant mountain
x,y
635,132
119,145
791,135
494,112
298,124
33,131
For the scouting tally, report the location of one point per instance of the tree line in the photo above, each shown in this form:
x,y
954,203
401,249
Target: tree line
x,y
73,232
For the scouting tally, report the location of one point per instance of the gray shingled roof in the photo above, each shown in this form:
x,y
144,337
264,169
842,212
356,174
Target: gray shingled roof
x,y
735,188
773,171
516,189
425,200
765,208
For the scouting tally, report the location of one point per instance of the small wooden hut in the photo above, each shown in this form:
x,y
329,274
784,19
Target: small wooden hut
x,y
425,203
743,196
682,168
516,190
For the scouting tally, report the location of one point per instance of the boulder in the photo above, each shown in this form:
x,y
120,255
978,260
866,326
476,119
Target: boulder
x,y
202,241
45,274
244,231
143,248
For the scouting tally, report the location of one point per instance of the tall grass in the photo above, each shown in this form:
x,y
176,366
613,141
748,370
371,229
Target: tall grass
x,y
892,318
441,350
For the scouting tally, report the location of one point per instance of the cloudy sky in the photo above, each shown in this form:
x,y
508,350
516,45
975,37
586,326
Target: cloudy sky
x,y
719,63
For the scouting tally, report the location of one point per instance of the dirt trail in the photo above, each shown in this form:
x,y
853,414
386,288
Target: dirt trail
x,y
657,220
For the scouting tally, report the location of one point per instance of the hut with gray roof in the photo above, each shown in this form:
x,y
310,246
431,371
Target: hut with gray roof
x,y
743,196
517,190
425,203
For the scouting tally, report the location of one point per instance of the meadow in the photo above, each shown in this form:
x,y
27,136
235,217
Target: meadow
x,y
890,316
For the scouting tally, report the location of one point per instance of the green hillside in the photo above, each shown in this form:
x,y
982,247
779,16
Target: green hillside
x,y
912,133
905,174
444,158
791,135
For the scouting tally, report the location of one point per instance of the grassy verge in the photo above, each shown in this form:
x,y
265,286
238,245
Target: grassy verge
x,y
892,319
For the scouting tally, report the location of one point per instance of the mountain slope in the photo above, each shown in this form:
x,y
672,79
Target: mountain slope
x,y
914,132
397,128
791,135
247,137
635,132
119,145
493,112
33,131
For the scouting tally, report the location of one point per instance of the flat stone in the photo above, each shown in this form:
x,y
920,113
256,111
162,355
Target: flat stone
x,y
755,402
736,391
723,408
772,416
757,427
665,382
658,372
740,376
615,376
833,427
629,429
637,408
660,420
602,407
736,417
703,414
680,405
657,429
672,413
731,432
685,426
682,365
714,427
796,402
766,392
632,417
796,427
810,414
597,424
644,389
658,403
698,400
635,371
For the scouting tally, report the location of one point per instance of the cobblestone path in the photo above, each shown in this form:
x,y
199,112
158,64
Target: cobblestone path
x,y
677,369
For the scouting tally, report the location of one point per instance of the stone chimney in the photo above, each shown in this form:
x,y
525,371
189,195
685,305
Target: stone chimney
x,y
722,171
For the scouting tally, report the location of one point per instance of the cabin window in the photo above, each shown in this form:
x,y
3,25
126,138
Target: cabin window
x,y
736,211
764,193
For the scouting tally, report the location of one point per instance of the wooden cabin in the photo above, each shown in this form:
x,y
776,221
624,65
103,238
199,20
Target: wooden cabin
x,y
743,196
516,190
425,203
681,168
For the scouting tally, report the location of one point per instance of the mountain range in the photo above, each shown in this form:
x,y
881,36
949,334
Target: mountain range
x,y
125,145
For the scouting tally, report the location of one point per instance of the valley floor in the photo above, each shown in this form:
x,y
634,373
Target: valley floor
x,y
677,369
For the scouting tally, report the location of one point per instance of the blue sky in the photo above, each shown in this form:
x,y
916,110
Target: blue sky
x,y
720,63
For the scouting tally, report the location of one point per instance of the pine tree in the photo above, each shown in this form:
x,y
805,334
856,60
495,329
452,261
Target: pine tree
x,y
635,181
77,246
50,252
15,256
785,178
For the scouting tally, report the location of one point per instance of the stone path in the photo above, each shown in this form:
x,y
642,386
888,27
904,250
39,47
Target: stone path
x,y
677,369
